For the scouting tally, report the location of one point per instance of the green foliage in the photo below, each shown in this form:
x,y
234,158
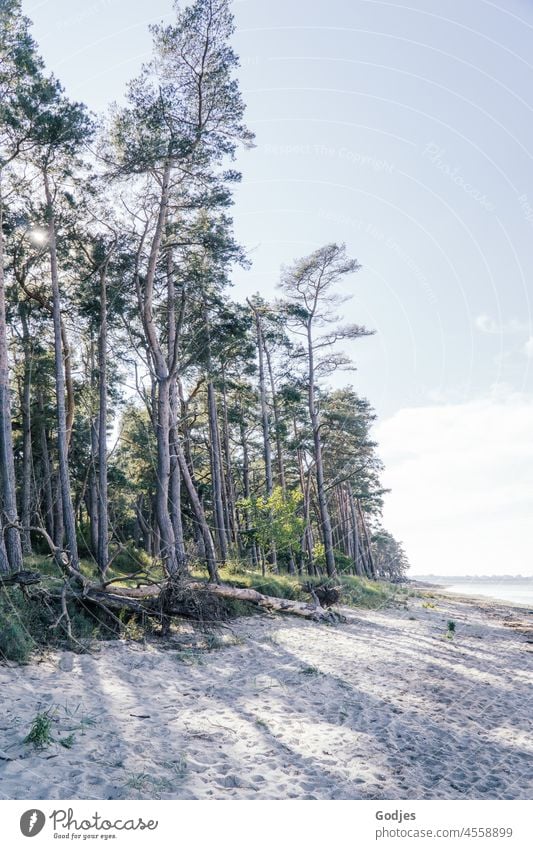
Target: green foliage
x,y
361,592
311,671
131,559
276,520
343,563
15,642
40,733
450,627
27,624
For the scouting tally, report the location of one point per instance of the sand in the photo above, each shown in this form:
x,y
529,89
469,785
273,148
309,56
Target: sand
x,y
381,707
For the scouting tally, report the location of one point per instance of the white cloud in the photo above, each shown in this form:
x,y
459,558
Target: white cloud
x,y
487,324
528,347
461,478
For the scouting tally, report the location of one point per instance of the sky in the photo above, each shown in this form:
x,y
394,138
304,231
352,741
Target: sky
x,y
403,130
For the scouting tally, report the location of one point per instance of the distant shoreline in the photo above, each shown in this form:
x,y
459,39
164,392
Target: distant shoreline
x,y
467,598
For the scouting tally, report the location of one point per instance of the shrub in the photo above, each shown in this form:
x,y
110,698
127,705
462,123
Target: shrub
x,y
15,642
131,560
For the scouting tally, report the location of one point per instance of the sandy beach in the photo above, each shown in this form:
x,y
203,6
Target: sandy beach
x,y
385,706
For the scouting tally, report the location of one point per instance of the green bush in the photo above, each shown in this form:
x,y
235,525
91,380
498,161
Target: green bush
x,y
131,560
25,625
15,642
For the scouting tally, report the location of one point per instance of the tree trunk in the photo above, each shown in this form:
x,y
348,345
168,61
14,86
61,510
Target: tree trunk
x,y
367,545
92,489
198,510
355,536
183,433
230,486
246,489
103,514
216,472
265,424
27,460
307,536
47,490
62,445
69,385
175,483
325,520
277,424
175,477
12,541
131,598
166,530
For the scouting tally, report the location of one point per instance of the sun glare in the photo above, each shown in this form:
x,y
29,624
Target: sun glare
x,y
38,236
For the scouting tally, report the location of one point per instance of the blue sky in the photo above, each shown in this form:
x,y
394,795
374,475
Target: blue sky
x,y
403,130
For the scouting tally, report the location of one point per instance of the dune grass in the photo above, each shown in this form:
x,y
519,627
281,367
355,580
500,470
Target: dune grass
x,y
355,591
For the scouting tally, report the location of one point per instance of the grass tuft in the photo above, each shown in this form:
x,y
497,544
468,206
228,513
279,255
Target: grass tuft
x,y
40,733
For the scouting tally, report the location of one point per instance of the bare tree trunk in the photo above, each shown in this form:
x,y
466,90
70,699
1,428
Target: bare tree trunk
x,y
199,514
317,441
366,537
175,483
175,475
62,446
279,447
216,472
12,541
4,562
103,513
46,471
277,423
355,536
92,489
166,530
230,486
27,459
307,536
69,385
198,517
246,488
59,524
265,424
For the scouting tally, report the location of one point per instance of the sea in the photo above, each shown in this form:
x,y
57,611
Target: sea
x,y
517,593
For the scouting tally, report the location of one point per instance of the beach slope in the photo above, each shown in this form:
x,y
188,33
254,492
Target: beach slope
x,y
389,705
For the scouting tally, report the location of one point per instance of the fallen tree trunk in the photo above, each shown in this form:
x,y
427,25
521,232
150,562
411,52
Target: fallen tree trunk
x,y
170,599
130,597
267,602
